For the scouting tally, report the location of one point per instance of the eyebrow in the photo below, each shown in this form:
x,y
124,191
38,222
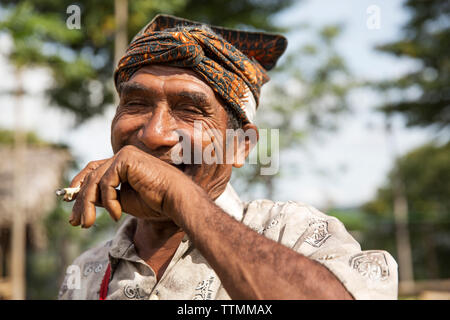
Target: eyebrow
x,y
197,97
129,87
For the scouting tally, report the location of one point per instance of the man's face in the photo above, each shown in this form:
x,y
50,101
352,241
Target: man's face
x,y
160,101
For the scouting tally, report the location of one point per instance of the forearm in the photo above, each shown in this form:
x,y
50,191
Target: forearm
x,y
249,265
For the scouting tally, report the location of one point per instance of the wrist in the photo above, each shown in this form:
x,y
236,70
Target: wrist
x,y
182,192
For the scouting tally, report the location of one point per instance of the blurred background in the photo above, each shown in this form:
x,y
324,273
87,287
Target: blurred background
x,y
361,100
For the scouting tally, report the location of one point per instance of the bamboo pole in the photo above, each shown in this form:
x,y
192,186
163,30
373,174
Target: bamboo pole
x,y
18,233
121,34
400,208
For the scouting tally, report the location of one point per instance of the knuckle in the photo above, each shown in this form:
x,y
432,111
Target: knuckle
x,y
74,182
91,165
127,149
90,176
78,178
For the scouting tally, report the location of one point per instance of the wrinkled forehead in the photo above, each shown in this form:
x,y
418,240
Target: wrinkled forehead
x,y
159,74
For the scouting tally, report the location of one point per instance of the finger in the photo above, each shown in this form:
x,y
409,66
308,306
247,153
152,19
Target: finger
x,y
83,211
75,216
91,166
89,212
80,177
79,207
110,198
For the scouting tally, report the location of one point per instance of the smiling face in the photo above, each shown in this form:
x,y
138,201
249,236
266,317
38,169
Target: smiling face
x,y
160,101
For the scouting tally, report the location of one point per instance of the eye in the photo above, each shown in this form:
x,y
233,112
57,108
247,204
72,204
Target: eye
x,y
134,104
190,109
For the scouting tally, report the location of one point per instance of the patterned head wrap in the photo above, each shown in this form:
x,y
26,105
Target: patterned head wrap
x,y
234,69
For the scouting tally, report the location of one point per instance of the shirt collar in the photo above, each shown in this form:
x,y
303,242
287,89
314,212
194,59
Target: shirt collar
x,y
229,202
122,242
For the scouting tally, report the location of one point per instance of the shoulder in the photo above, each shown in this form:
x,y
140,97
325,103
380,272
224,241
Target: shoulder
x,y
370,274
288,222
83,277
262,209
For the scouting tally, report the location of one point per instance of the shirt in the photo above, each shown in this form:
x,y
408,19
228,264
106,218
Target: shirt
x,y
370,274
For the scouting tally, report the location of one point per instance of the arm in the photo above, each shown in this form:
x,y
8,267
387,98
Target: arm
x,y
250,265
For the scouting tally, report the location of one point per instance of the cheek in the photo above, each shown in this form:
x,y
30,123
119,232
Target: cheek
x,y
212,142
205,135
121,130
200,138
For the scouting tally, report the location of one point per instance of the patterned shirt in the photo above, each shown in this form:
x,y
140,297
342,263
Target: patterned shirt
x,y
368,274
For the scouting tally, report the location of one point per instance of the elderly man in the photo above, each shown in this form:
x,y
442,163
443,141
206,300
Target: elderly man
x,y
189,236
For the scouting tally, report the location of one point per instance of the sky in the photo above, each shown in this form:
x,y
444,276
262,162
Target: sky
x,y
344,169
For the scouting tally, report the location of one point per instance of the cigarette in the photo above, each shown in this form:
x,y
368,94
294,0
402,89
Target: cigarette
x,y
68,193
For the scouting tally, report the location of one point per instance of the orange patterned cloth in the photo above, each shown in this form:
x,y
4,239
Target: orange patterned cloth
x,y
228,71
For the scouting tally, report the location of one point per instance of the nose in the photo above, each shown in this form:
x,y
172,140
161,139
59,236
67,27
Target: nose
x,y
159,130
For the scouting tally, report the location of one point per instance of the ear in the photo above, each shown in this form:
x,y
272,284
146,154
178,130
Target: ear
x,y
245,140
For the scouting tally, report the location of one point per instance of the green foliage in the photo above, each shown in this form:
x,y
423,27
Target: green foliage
x,y
353,219
31,138
81,61
81,65
426,40
425,173
422,97
7,138
247,14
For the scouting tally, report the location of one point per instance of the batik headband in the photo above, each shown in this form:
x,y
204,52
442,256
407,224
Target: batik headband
x,y
236,77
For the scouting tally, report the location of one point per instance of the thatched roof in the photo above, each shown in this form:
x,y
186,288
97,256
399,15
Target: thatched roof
x,y
42,171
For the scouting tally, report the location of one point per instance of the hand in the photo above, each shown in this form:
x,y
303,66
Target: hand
x,y
144,184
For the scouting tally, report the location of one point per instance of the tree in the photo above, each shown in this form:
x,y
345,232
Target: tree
x,y
425,173
426,40
81,61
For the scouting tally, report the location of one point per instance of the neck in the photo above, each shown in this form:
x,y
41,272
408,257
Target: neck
x,y
156,243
